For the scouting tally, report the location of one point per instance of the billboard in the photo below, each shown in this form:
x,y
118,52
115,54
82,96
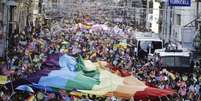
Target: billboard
x,y
179,2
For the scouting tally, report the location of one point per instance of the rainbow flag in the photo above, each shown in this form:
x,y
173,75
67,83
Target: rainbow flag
x,y
61,71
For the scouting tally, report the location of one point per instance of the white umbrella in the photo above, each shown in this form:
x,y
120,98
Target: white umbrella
x,y
25,88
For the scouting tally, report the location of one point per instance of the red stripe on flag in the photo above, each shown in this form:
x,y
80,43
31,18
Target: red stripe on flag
x,y
153,92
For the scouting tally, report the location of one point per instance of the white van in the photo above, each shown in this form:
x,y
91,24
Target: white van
x,y
147,43
174,58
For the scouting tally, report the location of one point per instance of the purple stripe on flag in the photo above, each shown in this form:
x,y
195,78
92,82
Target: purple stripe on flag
x,y
52,63
53,60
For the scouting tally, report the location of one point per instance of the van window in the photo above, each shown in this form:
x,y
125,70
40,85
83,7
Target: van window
x,y
145,45
176,61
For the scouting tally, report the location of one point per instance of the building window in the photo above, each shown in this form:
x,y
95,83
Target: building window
x,y
54,3
133,4
178,19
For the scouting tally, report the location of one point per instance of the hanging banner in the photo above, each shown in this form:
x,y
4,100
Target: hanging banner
x,y
179,2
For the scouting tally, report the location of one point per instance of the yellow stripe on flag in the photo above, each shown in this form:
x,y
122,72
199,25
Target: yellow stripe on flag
x,y
3,79
114,85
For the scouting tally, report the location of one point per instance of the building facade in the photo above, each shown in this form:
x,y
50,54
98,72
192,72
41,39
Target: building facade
x,y
7,23
15,15
179,23
184,24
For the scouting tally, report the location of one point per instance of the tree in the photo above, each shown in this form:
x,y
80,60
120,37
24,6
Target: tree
x,y
197,44
198,41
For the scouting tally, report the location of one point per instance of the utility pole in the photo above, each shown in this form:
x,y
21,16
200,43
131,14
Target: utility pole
x,y
166,21
170,29
197,14
147,14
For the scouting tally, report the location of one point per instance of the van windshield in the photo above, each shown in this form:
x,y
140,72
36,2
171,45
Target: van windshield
x,y
146,45
176,61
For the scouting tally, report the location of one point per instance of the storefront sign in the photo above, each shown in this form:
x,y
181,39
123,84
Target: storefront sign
x,y
180,2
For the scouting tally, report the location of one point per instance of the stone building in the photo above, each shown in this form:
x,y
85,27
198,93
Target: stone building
x,y
15,15
180,23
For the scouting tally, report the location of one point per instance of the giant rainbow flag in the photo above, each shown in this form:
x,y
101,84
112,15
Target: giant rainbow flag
x,y
61,71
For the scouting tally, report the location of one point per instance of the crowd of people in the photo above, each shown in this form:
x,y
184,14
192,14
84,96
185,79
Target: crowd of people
x,y
95,40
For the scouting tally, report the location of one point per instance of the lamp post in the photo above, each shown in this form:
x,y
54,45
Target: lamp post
x,y
197,13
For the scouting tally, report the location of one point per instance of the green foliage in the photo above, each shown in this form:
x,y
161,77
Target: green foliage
x,y
198,38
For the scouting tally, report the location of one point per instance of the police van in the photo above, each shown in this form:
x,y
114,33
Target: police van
x,y
174,58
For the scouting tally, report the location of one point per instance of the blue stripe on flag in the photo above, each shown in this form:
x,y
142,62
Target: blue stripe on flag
x,y
67,61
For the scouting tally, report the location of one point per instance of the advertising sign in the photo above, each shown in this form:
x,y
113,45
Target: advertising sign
x,y
179,2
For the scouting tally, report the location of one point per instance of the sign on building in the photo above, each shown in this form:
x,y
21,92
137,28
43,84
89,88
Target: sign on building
x,y
179,2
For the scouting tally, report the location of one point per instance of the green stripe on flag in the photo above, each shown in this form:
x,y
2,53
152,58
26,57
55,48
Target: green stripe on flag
x,y
80,64
81,82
